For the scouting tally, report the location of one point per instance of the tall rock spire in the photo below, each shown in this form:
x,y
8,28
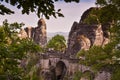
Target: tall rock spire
x,y
40,36
37,34
84,36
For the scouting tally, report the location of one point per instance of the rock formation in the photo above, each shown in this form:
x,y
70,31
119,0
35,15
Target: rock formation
x,y
30,31
58,66
38,34
22,34
83,35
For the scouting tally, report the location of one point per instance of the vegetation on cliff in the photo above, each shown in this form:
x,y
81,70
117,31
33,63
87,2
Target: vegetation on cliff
x,y
13,50
105,57
57,43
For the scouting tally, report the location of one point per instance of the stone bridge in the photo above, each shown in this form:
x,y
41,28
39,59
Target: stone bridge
x,y
59,66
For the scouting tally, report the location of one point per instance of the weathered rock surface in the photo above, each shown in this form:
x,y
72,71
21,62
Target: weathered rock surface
x,y
22,34
62,68
30,32
58,66
83,35
38,34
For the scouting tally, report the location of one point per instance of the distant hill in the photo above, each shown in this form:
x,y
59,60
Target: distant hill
x,y
52,34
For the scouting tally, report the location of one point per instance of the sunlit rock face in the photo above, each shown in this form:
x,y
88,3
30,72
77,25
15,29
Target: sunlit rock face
x,y
30,31
38,34
84,36
22,34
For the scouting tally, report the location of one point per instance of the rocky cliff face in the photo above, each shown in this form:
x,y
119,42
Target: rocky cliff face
x,y
38,34
83,35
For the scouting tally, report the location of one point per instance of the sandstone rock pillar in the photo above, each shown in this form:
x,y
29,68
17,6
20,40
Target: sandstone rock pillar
x,y
40,36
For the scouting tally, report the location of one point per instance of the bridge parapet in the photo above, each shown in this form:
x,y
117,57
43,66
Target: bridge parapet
x,y
63,66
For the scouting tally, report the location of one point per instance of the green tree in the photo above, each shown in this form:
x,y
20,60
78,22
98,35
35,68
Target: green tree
x,y
12,51
44,7
57,43
107,57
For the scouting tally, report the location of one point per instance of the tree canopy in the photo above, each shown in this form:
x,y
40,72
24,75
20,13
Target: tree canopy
x,y
57,43
106,57
40,7
13,50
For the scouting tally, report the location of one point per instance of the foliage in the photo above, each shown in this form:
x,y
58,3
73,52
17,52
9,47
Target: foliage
x,y
12,51
116,73
91,19
107,12
32,67
5,10
110,10
44,7
77,75
91,16
105,57
91,56
100,57
57,43
87,75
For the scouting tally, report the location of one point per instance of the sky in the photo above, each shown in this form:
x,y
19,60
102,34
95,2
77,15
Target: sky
x,y
71,11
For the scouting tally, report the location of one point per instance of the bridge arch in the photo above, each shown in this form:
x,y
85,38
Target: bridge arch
x,y
60,70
